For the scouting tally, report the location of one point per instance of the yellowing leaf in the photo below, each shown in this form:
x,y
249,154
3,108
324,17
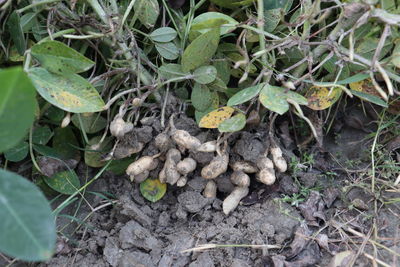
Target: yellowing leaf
x,y
365,86
320,99
152,189
215,117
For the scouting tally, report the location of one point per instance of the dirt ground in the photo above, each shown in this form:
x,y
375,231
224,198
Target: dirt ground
x,y
320,208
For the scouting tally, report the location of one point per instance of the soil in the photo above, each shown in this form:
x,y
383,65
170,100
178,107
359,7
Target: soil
x,y
335,214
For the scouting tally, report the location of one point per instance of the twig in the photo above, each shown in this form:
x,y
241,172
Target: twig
x,y
116,97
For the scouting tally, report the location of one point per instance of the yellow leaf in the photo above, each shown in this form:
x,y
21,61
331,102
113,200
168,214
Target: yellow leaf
x,y
152,189
215,117
320,99
365,86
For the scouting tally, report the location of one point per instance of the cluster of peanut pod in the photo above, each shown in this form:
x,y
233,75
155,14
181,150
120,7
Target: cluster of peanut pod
x,y
174,143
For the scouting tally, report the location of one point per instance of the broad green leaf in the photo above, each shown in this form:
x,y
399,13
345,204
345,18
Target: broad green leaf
x,y
218,85
152,189
215,117
91,123
355,78
245,95
223,69
57,57
167,50
201,97
163,35
368,46
27,225
17,106
55,114
69,92
232,3
233,124
273,98
47,151
206,21
17,153
41,135
299,99
205,74
172,71
273,4
320,98
65,143
272,19
65,182
370,98
27,21
94,151
147,12
201,50
118,167
182,93
396,55
16,33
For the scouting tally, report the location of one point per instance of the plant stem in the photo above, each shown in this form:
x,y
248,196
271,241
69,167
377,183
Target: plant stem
x,y
21,10
261,37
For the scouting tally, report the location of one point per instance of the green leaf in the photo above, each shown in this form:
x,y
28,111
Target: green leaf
x,y
201,97
355,78
272,19
41,135
69,92
27,225
167,50
273,98
91,123
172,71
233,124
224,71
17,153
94,152
201,50
232,3
299,99
206,21
65,143
370,98
147,12
245,95
118,167
395,57
48,151
163,35
205,74
65,182
17,106
59,58
218,85
273,4
27,21
55,114
152,189
16,33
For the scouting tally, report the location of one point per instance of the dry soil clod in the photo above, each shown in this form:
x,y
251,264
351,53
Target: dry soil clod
x,y
240,178
163,142
232,201
210,191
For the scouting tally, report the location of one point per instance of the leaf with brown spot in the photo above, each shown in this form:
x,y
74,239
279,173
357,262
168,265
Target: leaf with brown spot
x,y
215,117
320,98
